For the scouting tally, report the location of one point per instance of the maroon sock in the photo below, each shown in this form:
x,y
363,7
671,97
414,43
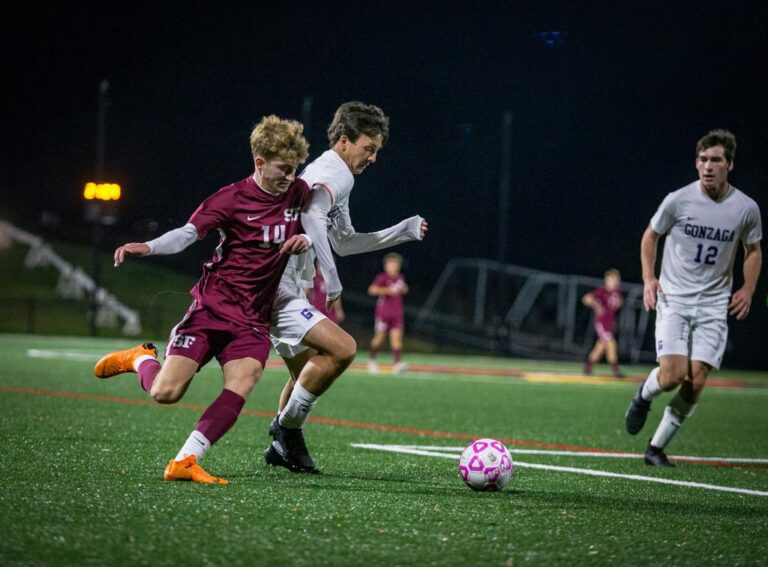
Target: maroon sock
x,y
396,353
374,352
220,416
147,373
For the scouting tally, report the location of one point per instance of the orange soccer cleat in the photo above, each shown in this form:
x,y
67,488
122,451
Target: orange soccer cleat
x,y
188,469
122,361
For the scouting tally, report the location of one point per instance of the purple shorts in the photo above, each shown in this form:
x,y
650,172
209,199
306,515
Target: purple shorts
x,y
201,336
388,322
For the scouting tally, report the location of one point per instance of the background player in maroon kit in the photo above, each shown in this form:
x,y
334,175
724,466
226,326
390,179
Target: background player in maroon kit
x,y
318,297
257,219
390,287
605,302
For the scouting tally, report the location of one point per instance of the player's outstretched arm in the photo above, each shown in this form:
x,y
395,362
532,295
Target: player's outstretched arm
x,y
741,301
346,241
132,249
171,242
651,285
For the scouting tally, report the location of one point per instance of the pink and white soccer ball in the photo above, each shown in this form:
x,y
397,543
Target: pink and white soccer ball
x,y
486,464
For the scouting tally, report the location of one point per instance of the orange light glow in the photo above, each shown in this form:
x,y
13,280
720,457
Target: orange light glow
x,y
102,191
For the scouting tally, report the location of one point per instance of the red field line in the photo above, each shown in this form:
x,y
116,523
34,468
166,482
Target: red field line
x,y
351,424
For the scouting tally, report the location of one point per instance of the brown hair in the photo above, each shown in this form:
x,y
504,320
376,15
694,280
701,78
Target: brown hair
x,y
355,118
274,138
612,272
718,138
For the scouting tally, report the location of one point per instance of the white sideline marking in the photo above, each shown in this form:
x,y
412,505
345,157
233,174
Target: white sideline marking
x,y
410,450
557,453
61,354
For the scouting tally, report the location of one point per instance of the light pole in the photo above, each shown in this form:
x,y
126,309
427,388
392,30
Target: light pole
x,y
94,208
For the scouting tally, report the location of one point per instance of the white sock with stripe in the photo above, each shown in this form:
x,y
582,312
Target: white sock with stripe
x,y
196,444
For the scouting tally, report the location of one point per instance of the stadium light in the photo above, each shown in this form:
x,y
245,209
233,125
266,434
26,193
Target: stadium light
x,y
102,191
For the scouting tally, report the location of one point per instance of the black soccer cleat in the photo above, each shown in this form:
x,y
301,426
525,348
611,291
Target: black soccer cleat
x,y
294,455
656,457
637,412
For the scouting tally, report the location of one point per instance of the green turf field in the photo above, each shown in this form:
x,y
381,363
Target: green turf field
x,y
82,465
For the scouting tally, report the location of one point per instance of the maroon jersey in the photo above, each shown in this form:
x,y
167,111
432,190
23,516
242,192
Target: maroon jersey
x,y
240,281
610,301
389,305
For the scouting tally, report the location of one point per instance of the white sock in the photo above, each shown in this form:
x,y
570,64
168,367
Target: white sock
x,y
675,414
296,411
196,444
651,387
140,359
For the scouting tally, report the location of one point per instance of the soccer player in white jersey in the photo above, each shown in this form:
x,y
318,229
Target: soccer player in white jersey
x,y
704,223
315,349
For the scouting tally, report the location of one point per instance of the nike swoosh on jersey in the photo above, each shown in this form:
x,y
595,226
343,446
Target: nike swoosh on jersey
x,y
250,218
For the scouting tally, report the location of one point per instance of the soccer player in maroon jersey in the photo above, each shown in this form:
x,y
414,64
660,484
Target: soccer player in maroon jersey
x,y
605,302
257,219
389,287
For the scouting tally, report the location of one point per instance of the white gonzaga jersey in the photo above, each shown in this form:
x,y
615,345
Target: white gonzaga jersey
x,y
702,238
328,171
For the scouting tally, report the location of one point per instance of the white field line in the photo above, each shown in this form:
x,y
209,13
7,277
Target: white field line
x,y
516,451
62,354
589,472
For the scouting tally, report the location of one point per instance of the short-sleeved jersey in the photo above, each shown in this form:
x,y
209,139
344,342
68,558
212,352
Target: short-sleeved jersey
x,y
610,301
328,171
701,243
240,281
389,305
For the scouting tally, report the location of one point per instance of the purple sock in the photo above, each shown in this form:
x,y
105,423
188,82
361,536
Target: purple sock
x,y
147,373
220,416
396,353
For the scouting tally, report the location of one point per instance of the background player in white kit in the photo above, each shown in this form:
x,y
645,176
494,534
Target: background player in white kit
x,y
704,223
315,349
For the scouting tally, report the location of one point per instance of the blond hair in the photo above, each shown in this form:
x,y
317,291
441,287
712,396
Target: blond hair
x,y
275,138
393,257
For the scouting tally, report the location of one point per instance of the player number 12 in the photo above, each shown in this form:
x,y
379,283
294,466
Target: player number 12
x,y
709,258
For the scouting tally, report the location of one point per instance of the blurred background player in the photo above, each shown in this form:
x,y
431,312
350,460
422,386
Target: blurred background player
x,y
318,296
389,287
258,220
316,350
605,301
704,223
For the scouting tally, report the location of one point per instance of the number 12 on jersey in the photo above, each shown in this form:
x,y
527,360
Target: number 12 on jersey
x,y
709,258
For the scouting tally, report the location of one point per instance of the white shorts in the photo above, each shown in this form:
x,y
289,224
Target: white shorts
x,y
698,332
292,318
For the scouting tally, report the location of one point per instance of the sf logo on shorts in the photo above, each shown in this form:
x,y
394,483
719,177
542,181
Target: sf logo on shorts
x,y
307,314
183,341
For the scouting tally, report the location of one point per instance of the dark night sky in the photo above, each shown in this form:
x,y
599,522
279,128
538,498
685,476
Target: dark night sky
x,y
605,120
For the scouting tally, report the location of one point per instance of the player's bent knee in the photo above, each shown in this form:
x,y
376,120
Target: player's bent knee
x,y
346,351
164,394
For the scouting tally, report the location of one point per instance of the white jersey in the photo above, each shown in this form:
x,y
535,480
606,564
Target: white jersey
x,y
328,171
702,238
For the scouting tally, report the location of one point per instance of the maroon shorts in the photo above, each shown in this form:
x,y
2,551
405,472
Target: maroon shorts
x,y
604,331
201,336
388,322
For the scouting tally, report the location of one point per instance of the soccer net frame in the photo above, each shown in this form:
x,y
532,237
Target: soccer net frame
x,y
512,310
